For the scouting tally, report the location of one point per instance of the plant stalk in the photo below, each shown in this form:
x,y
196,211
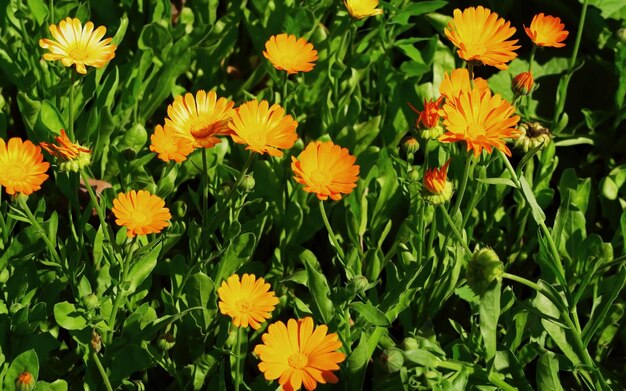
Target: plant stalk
x,y
331,233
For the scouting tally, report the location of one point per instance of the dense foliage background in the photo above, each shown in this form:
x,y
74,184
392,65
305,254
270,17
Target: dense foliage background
x,y
405,273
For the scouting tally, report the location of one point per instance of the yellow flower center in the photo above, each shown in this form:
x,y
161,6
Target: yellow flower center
x,y
77,54
320,177
298,360
201,130
14,172
475,48
140,217
243,305
257,138
474,130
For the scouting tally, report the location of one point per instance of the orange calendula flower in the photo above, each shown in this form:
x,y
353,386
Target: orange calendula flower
x,y
523,83
482,37
438,188
325,169
360,9
200,119
458,81
169,146
288,53
74,44
71,156
481,120
428,119
263,128
249,301
299,354
546,30
140,212
22,169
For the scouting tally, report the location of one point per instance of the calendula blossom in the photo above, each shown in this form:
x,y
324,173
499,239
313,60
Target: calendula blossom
x,y
248,301
169,146
437,187
523,83
546,30
140,212
360,9
22,169
71,156
458,81
76,45
291,54
482,37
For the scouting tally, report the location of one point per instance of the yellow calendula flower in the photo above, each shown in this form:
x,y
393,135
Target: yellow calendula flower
x,y
360,9
140,212
22,169
248,301
169,145
546,30
291,54
71,156
76,45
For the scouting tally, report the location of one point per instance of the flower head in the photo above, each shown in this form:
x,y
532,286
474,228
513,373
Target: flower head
x,y
72,156
290,54
360,9
325,169
533,135
140,212
200,119
458,81
437,187
169,145
484,268
299,354
25,382
482,37
249,301
523,83
546,30
481,120
22,169
263,128
74,44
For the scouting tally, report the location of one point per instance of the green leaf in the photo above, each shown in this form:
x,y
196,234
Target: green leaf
x,y
39,10
361,355
548,373
610,289
25,362
371,314
24,246
50,118
237,254
318,285
416,9
497,181
57,385
489,314
536,210
68,317
141,269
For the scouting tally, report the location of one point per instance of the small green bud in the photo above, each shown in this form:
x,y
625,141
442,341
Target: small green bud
x,y
621,35
90,301
410,343
25,382
414,175
410,145
393,360
179,208
483,269
247,184
79,162
358,284
166,342
432,133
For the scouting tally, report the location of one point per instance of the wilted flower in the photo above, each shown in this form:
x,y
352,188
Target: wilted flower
x,y
140,212
325,169
534,134
482,37
547,30
523,83
22,169
71,156
263,128
286,52
78,45
360,9
169,145
437,187
481,120
249,301
299,354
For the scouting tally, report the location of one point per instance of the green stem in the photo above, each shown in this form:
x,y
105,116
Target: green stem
x,y
463,185
572,62
455,230
205,189
421,228
220,214
470,71
21,199
120,294
51,11
532,58
96,204
238,359
285,91
333,238
105,377
70,116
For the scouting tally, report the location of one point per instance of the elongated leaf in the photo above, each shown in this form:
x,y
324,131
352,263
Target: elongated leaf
x,y
318,285
141,269
238,253
489,314
536,210
548,373
371,314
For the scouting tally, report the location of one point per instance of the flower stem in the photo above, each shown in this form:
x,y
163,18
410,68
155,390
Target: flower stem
x,y
470,71
463,185
572,62
21,199
70,116
238,374
96,204
532,58
333,238
455,230
105,377
205,189
119,295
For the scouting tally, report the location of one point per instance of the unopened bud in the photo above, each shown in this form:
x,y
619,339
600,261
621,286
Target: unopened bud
x,y
410,145
432,133
91,301
96,341
393,360
359,284
410,343
25,382
247,183
484,268
523,83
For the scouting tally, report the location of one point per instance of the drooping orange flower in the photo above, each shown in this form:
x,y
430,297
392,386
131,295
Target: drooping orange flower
x,y
458,81
299,354
482,37
546,30
22,169
523,83
360,9
263,128
71,156
74,44
286,52
325,169
169,145
200,119
429,117
249,301
481,120
140,212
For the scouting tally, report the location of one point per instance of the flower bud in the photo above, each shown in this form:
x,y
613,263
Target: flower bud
x,y
247,183
96,341
414,175
534,135
523,83
393,360
25,382
483,269
410,145
437,188
358,284
410,343
179,208
90,301
432,133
